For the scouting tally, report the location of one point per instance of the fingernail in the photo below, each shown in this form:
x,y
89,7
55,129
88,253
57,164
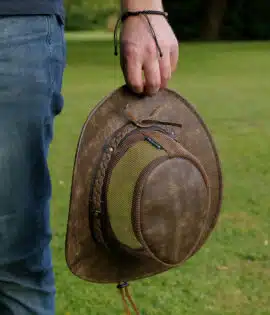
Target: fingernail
x,y
137,88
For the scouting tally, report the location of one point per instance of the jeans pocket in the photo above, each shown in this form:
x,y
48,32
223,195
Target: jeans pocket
x,y
59,20
61,27
57,62
19,29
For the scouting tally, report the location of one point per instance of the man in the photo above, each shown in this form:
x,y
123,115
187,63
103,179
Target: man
x,y
32,61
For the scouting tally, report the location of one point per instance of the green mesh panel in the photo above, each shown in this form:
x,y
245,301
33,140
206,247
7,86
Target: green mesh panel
x,y
121,188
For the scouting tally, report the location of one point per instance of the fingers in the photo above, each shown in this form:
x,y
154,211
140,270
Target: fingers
x,y
132,68
151,74
139,54
165,69
133,76
174,55
134,62
157,70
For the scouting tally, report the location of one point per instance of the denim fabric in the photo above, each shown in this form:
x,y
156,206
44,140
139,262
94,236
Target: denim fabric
x,y
32,60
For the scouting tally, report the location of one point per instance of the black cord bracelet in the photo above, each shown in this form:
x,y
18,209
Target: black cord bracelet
x,y
145,13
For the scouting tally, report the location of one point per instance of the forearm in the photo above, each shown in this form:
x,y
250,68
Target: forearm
x,y
138,5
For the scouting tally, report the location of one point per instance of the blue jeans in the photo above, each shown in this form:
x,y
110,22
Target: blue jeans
x,y
32,61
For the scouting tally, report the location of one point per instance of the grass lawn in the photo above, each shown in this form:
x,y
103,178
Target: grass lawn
x,y
230,85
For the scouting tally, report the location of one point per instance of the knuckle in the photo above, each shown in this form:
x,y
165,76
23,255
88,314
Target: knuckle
x,y
130,51
155,82
165,46
151,51
175,43
175,46
166,75
166,78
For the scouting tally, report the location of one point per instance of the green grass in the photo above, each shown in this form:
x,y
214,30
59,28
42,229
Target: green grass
x,y
230,85
88,35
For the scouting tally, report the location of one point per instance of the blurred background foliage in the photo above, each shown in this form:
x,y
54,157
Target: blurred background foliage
x,y
190,19
90,14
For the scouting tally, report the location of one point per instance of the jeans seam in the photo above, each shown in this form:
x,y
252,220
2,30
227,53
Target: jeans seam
x,y
49,43
47,120
63,43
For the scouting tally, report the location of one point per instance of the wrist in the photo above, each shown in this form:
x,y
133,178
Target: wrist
x,y
140,5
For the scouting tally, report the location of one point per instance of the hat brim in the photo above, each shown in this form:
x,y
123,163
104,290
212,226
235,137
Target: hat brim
x,y
85,258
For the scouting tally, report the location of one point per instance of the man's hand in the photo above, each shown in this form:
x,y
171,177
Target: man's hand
x,y
139,54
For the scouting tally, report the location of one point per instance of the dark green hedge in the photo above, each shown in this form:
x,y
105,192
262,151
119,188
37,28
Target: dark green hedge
x,y
247,19
243,19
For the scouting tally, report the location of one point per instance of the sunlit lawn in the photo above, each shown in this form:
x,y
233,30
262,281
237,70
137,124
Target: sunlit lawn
x,y
230,85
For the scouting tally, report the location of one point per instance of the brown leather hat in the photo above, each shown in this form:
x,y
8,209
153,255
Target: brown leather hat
x,y
146,189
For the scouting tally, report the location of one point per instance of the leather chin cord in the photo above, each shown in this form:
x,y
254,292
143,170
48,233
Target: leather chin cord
x,y
126,297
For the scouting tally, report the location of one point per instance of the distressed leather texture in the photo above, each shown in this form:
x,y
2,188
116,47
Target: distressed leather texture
x,y
173,208
180,197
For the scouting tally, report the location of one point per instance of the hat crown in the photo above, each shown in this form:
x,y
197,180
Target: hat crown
x,y
155,197
171,210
